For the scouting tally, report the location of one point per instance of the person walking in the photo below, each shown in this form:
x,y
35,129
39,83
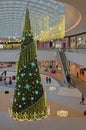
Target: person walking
x,y
82,99
10,81
5,72
46,79
77,75
49,80
68,78
5,82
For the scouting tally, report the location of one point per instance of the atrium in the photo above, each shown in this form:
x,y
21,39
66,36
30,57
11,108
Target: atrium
x,y
42,65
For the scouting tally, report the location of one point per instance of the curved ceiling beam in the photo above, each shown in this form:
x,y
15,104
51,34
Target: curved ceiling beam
x,y
81,7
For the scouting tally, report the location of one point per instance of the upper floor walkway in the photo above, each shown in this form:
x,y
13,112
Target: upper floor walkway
x,y
77,56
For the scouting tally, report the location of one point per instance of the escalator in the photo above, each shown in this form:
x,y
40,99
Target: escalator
x,y
65,69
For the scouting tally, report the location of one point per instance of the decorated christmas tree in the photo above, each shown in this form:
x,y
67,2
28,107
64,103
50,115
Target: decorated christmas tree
x,y
29,98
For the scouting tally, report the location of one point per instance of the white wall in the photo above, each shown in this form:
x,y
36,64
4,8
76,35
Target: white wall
x,y
76,58
9,55
43,55
13,55
46,55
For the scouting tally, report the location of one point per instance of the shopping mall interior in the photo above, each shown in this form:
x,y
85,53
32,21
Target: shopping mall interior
x,y
44,40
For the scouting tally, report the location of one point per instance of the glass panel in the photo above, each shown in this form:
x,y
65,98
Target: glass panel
x,y
44,15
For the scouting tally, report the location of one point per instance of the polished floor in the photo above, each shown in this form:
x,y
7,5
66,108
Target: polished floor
x,y
63,98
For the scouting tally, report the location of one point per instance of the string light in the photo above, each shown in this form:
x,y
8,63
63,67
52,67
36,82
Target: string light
x,y
23,98
29,34
18,78
19,94
14,100
22,74
25,66
32,98
36,92
37,81
30,74
19,70
27,86
19,86
23,38
32,64
36,70
20,106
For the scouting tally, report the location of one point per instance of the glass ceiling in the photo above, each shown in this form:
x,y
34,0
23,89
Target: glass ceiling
x,y
44,14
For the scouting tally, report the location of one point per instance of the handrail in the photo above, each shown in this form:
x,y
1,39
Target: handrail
x,y
76,50
61,61
65,67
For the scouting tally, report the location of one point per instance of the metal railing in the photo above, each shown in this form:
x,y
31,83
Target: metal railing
x,y
77,50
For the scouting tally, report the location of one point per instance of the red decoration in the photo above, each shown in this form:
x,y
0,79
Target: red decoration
x,y
14,77
85,113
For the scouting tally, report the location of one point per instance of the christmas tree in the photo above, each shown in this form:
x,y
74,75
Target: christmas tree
x,y
29,99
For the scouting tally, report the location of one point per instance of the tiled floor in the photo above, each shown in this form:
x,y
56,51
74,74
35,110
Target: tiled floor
x,y
62,98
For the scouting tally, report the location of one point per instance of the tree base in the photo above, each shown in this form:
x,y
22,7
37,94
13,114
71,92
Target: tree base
x,y
35,112
28,116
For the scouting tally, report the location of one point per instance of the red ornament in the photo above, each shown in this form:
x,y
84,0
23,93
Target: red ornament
x,y
85,113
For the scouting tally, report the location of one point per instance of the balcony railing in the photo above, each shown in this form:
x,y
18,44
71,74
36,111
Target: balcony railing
x,y
77,50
